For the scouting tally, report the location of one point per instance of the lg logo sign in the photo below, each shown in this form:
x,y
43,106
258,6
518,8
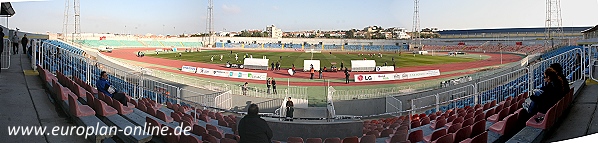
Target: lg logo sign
x,y
361,77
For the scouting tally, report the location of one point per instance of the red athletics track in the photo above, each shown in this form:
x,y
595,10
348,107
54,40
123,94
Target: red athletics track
x,y
129,54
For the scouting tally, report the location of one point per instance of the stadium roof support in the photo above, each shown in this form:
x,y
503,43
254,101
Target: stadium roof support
x,y
6,10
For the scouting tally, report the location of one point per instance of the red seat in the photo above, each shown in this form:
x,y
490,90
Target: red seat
x,y
215,133
222,123
454,128
437,134
468,122
368,139
151,122
79,110
90,99
448,138
486,106
478,128
479,117
374,132
489,113
170,137
209,138
482,138
163,117
456,121
103,109
416,136
332,140
438,124
424,121
415,124
386,132
313,140
152,111
175,117
351,140
199,130
61,92
549,118
231,136
505,126
497,117
462,134
451,119
294,140
120,108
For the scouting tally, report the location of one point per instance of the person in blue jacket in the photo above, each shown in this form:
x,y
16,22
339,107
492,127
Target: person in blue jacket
x,y
104,86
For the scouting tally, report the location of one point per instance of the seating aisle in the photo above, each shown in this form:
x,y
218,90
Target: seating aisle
x,y
25,103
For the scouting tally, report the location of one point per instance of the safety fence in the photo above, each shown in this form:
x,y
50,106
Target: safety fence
x,y
5,53
593,62
136,84
499,88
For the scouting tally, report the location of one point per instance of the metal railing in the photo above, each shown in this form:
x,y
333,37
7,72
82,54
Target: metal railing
x,y
5,54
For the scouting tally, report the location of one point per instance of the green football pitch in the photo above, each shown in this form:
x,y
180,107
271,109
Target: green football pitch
x,y
326,59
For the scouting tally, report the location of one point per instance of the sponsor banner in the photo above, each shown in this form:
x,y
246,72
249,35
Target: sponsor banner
x,y
385,68
232,74
417,74
395,76
374,77
189,69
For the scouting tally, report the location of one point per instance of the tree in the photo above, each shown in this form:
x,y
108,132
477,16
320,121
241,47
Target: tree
x,y
256,34
245,34
327,35
350,34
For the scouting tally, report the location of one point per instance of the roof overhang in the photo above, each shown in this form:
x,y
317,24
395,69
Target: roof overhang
x,y
6,10
591,29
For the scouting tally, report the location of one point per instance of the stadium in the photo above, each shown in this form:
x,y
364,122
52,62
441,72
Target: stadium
x,y
462,87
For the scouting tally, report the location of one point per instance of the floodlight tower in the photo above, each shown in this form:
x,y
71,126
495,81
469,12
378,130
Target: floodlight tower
x,y
553,22
210,21
77,32
415,39
76,35
65,21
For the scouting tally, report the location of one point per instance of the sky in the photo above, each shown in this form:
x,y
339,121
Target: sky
x,y
189,16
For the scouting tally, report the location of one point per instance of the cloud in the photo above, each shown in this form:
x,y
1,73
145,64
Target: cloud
x,y
231,9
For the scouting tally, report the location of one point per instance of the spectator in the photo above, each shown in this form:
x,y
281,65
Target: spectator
x,y
274,86
253,129
559,70
268,85
545,97
105,87
320,71
272,65
245,88
24,42
290,109
15,44
342,65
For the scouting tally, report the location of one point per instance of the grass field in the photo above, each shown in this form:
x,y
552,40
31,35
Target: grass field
x,y
326,59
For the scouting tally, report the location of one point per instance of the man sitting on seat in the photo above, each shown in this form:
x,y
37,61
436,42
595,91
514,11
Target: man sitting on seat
x,y
104,86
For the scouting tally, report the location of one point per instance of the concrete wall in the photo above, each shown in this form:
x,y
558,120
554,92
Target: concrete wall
x,y
282,129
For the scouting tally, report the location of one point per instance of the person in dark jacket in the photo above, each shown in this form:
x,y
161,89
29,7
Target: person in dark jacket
x,y
24,42
253,129
104,86
547,96
559,70
290,109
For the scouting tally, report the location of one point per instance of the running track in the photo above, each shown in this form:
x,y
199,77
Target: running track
x,y
129,54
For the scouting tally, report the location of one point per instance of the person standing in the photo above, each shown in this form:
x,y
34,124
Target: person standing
x,y
268,85
245,88
274,86
320,71
277,65
272,64
24,42
346,76
311,71
342,65
253,129
15,44
290,109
